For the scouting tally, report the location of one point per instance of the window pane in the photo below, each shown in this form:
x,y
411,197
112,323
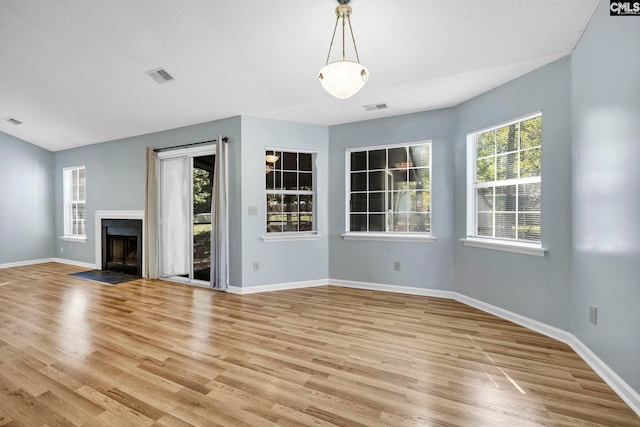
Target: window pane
x,y
376,202
376,222
484,199
274,226
290,161
505,198
270,178
358,160
529,226
398,158
81,211
291,203
420,178
399,222
419,155
277,180
306,222
398,179
485,170
305,162
359,181
377,180
506,225
290,180
529,197
507,138
485,224
419,222
306,203
485,144
530,162
421,201
507,166
274,203
531,133
291,223
358,222
306,181
377,159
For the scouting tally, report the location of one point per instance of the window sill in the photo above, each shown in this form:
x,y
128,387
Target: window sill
x,y
81,239
290,237
393,237
520,248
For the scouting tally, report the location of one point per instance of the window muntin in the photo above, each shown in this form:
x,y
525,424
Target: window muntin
x,y
504,194
290,191
389,188
74,201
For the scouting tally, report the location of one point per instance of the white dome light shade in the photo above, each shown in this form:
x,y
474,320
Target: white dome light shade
x,y
343,79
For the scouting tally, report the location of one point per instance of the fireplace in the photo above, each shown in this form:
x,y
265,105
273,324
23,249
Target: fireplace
x,y
122,245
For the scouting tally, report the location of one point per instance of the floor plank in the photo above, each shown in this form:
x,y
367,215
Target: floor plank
x,y
153,353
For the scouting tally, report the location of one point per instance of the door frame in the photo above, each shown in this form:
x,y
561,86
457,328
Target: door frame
x,y
190,153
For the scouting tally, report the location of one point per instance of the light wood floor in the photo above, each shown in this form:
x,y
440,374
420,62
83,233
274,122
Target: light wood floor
x,y
76,352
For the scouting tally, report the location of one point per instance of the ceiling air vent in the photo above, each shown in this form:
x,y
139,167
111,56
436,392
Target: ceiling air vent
x,y
160,75
13,121
373,107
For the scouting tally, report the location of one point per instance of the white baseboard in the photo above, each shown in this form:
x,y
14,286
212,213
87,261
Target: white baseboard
x,y
75,263
245,290
45,260
24,263
392,288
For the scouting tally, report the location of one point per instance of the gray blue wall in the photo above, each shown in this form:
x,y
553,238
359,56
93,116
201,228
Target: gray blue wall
x,y
536,287
289,261
606,190
115,174
423,265
26,201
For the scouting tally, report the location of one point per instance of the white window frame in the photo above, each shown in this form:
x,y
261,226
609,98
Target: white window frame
x,y
71,201
399,236
516,245
284,236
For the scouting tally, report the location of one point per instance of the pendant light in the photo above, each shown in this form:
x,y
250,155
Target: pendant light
x,y
343,78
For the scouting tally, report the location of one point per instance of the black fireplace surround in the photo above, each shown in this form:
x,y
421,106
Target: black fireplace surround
x,y
122,245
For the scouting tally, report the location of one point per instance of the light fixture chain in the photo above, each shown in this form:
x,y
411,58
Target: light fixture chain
x,y
352,39
343,36
333,37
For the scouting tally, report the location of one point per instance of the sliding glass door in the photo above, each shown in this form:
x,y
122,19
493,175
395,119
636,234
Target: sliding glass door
x,y
186,183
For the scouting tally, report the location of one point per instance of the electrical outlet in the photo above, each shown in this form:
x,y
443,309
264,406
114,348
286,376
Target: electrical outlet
x,y
61,250
253,210
396,266
593,314
256,266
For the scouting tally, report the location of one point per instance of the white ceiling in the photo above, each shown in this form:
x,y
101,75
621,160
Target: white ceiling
x,y
74,71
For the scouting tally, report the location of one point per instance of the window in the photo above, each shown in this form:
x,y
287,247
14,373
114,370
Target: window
x,y
290,191
74,196
389,189
504,165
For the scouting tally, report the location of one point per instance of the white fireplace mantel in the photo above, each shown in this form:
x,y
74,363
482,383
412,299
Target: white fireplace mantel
x,y
100,215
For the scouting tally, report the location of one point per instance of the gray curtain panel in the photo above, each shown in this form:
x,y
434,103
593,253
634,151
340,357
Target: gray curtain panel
x,y
150,236
220,219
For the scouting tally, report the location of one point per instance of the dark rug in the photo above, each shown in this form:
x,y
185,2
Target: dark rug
x,y
105,276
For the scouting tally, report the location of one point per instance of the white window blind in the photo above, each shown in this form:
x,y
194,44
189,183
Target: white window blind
x,y
504,185
74,201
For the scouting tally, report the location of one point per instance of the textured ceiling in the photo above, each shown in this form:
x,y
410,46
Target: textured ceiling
x,y
74,71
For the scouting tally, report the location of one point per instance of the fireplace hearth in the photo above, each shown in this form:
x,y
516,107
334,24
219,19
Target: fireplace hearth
x,y
122,245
